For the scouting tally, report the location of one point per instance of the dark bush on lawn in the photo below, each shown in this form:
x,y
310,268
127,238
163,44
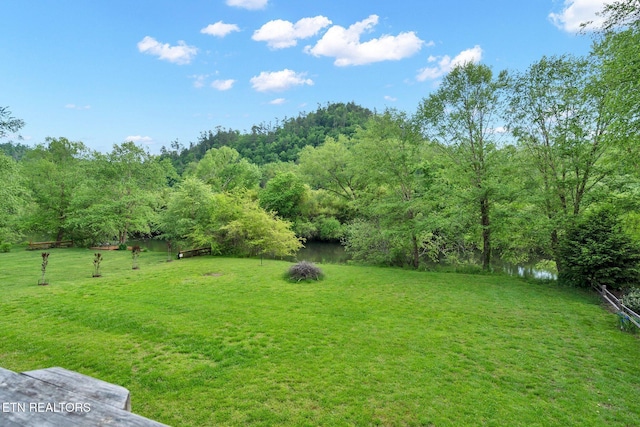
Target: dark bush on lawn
x,y
304,270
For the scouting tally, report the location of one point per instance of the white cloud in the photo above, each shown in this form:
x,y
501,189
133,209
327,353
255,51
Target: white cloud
x,y
199,80
390,98
344,44
77,107
279,81
219,29
248,4
223,84
578,12
444,64
278,101
180,54
138,138
280,34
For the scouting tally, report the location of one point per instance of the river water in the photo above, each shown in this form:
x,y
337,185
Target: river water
x,y
320,252
334,253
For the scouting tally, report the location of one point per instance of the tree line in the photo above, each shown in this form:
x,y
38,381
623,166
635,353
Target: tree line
x,y
495,164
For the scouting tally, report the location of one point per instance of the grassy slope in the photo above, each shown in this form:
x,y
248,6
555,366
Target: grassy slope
x,y
367,346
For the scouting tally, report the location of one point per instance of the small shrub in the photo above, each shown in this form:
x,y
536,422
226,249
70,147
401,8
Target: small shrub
x,y
304,270
5,247
632,299
122,247
135,253
96,264
45,261
624,323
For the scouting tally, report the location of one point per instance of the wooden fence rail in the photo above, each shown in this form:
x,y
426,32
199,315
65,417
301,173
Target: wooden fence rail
x,y
194,252
631,315
48,245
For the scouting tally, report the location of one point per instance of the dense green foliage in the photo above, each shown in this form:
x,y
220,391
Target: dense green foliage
x,y
16,151
230,223
491,164
632,299
596,251
13,200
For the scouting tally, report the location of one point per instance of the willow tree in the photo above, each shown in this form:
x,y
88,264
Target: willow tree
x,y
462,118
231,223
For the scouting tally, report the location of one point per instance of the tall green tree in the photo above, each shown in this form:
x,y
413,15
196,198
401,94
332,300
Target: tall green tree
x,y
8,123
188,215
617,48
284,194
225,170
53,172
394,210
13,200
462,117
558,115
122,195
330,167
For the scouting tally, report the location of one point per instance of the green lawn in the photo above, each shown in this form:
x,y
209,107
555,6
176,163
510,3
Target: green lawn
x,y
217,341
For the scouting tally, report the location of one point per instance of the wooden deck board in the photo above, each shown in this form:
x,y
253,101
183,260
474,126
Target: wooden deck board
x,y
26,390
90,387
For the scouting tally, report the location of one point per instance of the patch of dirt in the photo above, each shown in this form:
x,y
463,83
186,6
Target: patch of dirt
x,y
212,274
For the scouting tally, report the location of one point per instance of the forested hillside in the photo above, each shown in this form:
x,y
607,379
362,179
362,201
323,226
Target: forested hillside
x,y
282,141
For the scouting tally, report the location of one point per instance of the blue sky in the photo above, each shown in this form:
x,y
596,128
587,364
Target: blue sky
x,y
153,71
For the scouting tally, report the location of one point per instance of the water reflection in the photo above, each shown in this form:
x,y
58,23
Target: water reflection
x,y
320,252
326,252
153,245
528,272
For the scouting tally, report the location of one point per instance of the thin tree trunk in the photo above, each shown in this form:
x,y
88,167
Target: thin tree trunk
x,y
416,252
60,235
486,233
555,243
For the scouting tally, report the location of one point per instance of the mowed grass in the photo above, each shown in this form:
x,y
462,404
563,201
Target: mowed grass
x,y
217,341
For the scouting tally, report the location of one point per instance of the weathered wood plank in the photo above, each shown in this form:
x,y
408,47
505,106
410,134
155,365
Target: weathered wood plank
x,y
194,252
49,245
96,389
36,395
